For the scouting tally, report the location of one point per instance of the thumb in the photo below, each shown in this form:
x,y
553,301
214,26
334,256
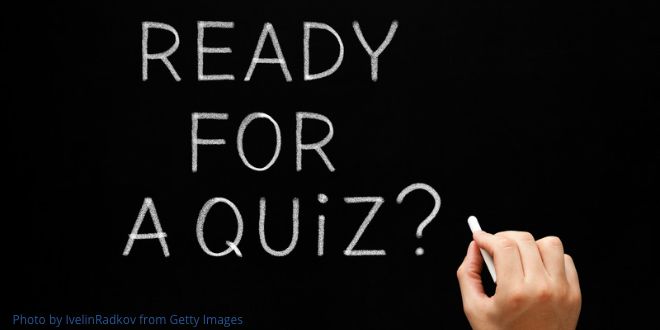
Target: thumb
x,y
469,276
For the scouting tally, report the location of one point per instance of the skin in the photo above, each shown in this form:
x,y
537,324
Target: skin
x,y
537,283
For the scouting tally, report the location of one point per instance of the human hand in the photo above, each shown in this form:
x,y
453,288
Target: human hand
x,y
537,284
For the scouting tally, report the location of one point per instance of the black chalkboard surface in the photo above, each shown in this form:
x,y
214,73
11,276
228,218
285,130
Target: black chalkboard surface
x,y
530,115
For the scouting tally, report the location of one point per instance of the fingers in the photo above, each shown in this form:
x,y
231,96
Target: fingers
x,y
469,277
552,253
571,274
505,255
518,256
530,256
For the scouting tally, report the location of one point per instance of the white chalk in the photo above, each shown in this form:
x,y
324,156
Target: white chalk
x,y
317,146
234,247
307,32
201,220
474,227
262,228
147,205
378,201
201,50
241,133
268,30
164,56
374,54
436,207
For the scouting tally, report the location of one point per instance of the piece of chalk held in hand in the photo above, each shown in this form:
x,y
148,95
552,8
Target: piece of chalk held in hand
x,y
474,227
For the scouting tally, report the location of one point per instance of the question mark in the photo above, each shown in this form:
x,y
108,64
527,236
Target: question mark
x,y
436,197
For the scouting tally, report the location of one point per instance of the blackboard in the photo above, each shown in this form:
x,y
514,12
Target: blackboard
x,y
531,115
